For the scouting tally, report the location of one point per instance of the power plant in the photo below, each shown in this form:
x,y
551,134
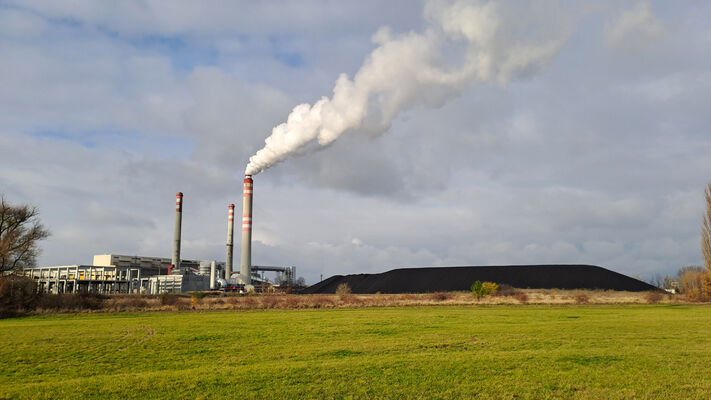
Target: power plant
x,y
112,273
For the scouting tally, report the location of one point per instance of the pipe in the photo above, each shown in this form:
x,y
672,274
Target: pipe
x,y
246,260
230,234
176,235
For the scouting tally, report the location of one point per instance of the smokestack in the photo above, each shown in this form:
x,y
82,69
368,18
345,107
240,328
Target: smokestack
x,y
230,234
246,261
212,275
176,235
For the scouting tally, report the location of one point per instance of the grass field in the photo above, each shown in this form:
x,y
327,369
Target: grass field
x,y
587,352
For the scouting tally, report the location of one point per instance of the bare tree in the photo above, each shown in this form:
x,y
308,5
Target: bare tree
x,y
706,247
690,279
706,230
20,230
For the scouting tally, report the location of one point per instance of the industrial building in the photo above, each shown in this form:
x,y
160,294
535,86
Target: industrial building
x,y
148,265
140,274
87,279
115,273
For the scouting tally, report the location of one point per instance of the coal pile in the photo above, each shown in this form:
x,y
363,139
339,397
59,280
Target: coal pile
x,y
447,279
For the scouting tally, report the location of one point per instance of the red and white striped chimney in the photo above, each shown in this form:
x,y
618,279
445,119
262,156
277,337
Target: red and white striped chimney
x,y
230,234
246,259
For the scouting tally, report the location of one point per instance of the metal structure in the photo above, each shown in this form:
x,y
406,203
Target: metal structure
x,y
246,257
126,279
86,279
285,274
176,235
204,268
177,283
230,235
165,284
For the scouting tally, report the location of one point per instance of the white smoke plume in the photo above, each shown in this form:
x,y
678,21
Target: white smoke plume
x,y
464,43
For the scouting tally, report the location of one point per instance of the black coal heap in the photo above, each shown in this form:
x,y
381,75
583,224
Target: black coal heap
x,y
446,279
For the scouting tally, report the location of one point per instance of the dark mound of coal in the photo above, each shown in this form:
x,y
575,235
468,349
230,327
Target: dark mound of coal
x,y
447,279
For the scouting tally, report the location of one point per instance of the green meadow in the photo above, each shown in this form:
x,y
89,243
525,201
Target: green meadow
x,y
498,352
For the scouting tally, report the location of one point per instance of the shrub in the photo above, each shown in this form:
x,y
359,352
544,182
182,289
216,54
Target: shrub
x,y
376,300
343,290
120,303
291,302
87,301
247,302
18,294
234,300
654,296
480,289
168,299
691,281
182,304
477,289
506,290
72,302
490,287
522,297
353,299
439,296
693,294
269,301
706,286
196,298
51,302
582,298
321,301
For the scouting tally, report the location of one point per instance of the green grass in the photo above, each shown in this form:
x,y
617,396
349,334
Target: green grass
x,y
501,352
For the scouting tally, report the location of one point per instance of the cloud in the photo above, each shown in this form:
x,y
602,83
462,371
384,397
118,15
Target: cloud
x,y
565,208
135,18
636,29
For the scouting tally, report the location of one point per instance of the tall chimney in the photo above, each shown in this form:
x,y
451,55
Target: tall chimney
x,y
212,275
230,234
246,261
176,235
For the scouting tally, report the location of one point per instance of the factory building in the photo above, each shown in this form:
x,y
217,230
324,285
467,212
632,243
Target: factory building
x,y
148,265
116,273
122,274
87,279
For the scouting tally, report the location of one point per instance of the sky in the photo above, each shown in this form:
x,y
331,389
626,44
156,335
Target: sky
x,y
596,152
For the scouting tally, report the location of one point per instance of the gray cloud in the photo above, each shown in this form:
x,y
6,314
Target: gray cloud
x,y
636,29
